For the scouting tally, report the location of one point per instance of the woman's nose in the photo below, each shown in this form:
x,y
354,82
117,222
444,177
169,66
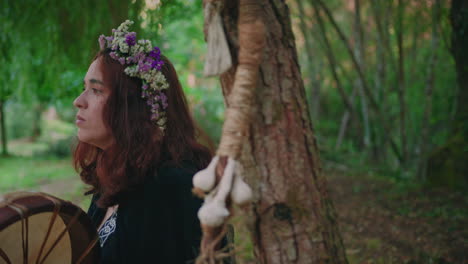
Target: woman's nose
x,y
80,101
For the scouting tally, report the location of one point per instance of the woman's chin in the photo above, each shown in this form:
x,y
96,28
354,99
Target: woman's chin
x,y
83,137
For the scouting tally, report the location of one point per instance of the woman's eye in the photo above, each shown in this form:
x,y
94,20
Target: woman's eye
x,y
96,90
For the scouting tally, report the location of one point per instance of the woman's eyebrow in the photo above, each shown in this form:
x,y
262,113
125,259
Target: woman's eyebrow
x,y
94,81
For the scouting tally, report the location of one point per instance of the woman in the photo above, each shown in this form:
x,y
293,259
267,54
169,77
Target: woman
x,y
138,152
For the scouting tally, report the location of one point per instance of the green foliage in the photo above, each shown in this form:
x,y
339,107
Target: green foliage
x,y
380,69
18,127
177,27
60,148
48,49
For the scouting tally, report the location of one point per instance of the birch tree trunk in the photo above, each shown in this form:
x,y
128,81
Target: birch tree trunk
x,y
293,219
359,53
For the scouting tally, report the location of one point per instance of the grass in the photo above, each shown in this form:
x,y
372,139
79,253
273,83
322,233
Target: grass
x,y
25,148
27,172
44,165
32,164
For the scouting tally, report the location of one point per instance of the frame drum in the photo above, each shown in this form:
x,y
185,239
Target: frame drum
x,y
40,228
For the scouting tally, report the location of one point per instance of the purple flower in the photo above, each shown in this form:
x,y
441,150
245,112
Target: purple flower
x,y
163,97
122,61
114,55
140,56
110,39
114,47
155,53
130,38
102,42
155,116
143,67
130,60
157,64
145,86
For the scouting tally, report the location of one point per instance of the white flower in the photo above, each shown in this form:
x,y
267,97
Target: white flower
x,y
123,47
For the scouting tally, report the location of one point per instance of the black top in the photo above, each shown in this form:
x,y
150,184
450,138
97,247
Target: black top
x,y
157,223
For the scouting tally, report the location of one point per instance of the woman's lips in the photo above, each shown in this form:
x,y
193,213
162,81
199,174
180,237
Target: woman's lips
x,y
79,120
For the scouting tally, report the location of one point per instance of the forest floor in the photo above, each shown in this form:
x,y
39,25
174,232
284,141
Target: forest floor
x,y
388,222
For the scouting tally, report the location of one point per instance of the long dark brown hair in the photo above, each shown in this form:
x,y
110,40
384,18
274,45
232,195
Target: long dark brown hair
x,y
140,146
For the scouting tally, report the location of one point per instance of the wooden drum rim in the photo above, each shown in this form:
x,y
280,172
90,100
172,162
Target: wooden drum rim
x,y
21,205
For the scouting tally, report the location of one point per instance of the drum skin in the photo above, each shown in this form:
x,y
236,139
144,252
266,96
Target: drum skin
x,y
40,228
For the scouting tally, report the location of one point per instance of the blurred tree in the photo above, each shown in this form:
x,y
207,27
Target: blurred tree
x,y
312,65
377,110
53,37
293,219
8,71
401,82
448,165
430,80
359,52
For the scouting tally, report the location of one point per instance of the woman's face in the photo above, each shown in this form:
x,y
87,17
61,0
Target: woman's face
x,y
90,104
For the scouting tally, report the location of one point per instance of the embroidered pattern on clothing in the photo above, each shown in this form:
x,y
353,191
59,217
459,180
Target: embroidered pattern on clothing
x,y
107,229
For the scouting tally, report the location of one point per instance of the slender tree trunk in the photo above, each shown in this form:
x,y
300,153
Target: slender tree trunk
x,y
36,128
401,82
387,15
425,127
344,123
332,62
316,88
350,113
359,53
459,20
380,77
372,102
293,219
3,129
414,48
447,165
313,64
378,146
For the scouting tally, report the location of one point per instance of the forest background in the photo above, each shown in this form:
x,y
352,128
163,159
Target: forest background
x,y
381,87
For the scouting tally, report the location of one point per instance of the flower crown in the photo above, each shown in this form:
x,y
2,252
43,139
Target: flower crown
x,y
144,62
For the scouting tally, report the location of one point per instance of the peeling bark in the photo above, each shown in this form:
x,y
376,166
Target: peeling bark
x,y
293,219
